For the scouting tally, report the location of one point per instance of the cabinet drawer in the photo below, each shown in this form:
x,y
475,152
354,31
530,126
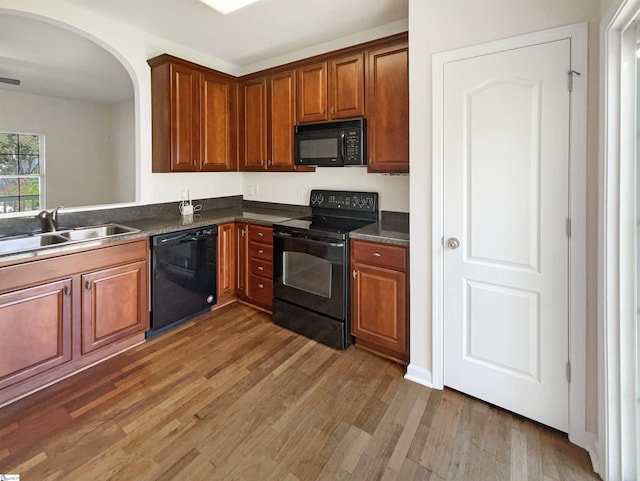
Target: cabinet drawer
x,y
385,255
261,290
259,233
262,268
260,251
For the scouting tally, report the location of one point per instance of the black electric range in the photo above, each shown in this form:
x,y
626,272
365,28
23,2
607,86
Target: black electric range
x,y
311,265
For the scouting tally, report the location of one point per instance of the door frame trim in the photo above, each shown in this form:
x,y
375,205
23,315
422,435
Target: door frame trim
x,y
578,36
619,439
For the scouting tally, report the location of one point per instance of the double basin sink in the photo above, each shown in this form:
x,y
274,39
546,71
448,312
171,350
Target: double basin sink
x,y
21,243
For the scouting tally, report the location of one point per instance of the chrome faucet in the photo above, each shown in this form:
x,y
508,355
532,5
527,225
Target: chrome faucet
x,y
49,219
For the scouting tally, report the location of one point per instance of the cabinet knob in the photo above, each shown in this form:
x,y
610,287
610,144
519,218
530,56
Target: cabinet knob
x,y
67,291
260,251
269,162
261,162
261,234
261,286
322,111
332,111
376,254
260,268
87,285
354,274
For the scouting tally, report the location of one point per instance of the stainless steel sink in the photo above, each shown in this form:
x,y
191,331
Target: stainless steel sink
x,y
97,232
23,243
28,242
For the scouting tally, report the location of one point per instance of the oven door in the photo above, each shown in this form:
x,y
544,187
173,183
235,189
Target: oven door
x,y
310,272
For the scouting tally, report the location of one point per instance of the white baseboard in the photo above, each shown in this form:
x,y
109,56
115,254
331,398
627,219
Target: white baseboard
x,y
592,446
419,375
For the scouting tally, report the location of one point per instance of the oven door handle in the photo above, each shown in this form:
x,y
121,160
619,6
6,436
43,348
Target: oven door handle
x,y
286,235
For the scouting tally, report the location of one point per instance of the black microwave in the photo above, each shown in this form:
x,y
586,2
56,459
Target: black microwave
x,y
331,144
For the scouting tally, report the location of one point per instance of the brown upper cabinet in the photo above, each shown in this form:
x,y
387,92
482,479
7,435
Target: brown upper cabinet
x,y
204,120
268,109
194,117
333,89
388,109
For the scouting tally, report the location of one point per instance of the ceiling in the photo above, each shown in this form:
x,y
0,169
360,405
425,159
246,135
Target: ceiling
x,y
262,30
46,58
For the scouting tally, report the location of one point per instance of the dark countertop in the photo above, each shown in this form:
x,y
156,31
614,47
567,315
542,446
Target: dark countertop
x,y
390,230
386,232
155,226
164,225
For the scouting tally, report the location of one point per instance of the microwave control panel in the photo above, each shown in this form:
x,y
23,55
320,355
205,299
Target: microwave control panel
x,y
352,146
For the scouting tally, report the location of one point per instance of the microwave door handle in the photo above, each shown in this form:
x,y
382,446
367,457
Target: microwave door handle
x,y
343,147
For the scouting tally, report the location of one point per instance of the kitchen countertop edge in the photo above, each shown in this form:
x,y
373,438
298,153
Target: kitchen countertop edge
x,y
154,226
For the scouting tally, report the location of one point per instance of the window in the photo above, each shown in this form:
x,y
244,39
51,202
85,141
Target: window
x,y
21,172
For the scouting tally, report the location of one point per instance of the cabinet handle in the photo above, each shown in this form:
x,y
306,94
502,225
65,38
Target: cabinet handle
x,y
332,111
261,162
260,268
322,111
354,274
87,285
67,291
261,234
242,230
376,254
269,162
260,251
261,286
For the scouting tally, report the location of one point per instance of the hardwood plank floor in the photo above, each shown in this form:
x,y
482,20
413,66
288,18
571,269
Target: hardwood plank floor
x,y
231,396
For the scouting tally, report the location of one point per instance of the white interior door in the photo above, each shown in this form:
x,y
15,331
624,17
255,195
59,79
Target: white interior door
x,y
506,204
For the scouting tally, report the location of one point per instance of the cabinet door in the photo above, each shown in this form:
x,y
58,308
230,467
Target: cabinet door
x,y
282,119
312,92
242,259
35,330
388,109
218,124
254,132
114,304
346,87
185,119
379,308
226,262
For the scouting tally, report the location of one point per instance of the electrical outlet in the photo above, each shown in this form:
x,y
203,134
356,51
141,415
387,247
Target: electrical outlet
x,y
249,190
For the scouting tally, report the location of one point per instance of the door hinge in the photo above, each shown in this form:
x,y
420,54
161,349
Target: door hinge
x,y
568,227
571,73
568,372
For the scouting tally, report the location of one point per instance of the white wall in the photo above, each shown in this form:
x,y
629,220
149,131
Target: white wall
x,y
75,147
294,188
437,26
123,155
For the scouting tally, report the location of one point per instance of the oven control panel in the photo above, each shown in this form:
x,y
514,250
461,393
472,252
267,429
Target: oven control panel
x,y
345,200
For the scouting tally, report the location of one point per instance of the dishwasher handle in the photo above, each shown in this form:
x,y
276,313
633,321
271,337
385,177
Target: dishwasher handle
x,y
187,236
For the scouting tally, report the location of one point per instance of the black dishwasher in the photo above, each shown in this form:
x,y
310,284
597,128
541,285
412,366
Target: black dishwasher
x,y
183,276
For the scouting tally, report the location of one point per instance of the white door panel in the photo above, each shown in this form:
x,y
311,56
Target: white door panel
x,y
506,177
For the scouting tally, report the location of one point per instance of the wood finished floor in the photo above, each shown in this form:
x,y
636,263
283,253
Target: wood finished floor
x,y
231,396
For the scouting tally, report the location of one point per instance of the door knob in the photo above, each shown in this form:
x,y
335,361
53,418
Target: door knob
x,y
453,243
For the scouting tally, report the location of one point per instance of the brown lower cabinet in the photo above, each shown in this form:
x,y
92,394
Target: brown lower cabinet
x,y
226,281
254,264
63,313
380,298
